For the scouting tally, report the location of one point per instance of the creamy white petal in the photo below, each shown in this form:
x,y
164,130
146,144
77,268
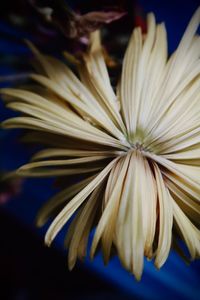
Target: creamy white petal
x,y
165,220
70,208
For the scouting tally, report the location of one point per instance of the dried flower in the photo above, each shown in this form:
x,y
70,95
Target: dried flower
x,y
72,24
138,151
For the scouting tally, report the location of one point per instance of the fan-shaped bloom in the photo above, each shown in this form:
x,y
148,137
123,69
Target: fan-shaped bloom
x,y
138,149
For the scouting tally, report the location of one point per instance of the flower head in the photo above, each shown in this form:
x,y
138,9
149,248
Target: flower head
x,y
138,149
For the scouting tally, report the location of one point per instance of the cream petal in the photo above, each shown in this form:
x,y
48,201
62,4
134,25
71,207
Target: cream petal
x,y
51,206
129,227
106,224
187,230
83,225
165,220
73,205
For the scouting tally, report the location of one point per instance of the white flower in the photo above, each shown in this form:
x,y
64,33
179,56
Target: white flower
x,y
138,151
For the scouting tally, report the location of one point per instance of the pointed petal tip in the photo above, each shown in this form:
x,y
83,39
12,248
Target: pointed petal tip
x,y
2,91
71,263
105,260
48,239
138,276
157,267
4,124
38,222
31,46
92,253
159,262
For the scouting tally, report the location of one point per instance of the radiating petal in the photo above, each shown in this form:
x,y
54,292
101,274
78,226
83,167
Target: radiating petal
x,y
165,220
72,206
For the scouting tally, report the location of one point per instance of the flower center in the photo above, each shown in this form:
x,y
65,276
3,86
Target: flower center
x,y
140,147
138,141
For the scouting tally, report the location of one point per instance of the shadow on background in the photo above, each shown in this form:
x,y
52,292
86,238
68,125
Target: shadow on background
x,y
30,271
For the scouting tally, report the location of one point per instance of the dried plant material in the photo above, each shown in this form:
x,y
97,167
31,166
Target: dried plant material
x,y
72,24
139,150
10,186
